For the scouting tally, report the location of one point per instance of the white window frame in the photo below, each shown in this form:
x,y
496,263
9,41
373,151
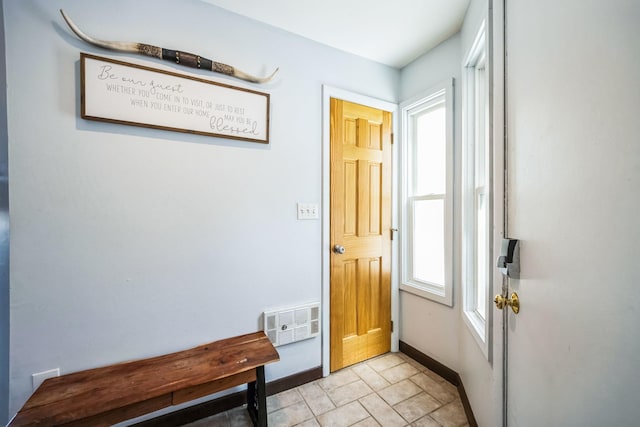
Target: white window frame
x,y
477,58
443,294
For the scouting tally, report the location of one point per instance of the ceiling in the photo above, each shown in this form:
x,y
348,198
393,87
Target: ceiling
x,y
394,36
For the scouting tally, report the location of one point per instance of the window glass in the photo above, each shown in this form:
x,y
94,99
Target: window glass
x,y
430,156
427,190
428,243
476,195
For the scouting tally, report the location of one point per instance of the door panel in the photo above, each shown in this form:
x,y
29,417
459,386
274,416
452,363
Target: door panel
x,y
573,187
360,222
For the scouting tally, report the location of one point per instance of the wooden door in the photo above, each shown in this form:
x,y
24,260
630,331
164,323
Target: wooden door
x,y
361,224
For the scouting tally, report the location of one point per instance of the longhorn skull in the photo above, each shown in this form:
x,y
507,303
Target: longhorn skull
x,y
183,58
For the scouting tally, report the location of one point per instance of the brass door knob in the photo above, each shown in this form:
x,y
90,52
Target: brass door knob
x,y
513,302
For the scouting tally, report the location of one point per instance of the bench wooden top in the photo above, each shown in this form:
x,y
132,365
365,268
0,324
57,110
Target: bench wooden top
x,y
87,393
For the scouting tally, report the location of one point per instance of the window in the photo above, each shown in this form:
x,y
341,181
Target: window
x,y
427,184
476,193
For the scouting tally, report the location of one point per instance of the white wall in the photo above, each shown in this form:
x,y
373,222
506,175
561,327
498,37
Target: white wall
x,y
129,242
434,329
428,326
482,375
574,174
574,171
574,167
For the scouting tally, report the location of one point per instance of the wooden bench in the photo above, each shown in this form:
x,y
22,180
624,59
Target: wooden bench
x,y
108,395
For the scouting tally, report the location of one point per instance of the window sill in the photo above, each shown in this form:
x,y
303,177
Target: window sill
x,y
436,295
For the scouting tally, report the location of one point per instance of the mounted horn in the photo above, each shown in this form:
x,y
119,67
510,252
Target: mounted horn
x,y
179,57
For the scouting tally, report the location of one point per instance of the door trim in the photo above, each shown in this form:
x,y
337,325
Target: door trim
x,y
498,31
329,92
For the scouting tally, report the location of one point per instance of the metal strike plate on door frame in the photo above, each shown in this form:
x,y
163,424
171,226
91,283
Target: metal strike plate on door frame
x,y
509,260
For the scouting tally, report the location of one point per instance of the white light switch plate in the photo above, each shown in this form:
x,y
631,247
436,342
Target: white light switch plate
x,y
308,211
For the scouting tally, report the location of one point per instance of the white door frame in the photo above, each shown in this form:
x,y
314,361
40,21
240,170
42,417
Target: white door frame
x,y
333,92
497,55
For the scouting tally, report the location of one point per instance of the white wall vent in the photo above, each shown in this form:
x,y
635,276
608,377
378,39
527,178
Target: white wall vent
x,y
292,324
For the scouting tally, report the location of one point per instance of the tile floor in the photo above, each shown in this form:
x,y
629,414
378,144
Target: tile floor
x,y
390,390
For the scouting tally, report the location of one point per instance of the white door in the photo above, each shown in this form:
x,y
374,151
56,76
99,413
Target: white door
x,y
573,156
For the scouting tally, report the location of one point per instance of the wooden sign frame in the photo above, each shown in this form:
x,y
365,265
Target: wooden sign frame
x,y
131,94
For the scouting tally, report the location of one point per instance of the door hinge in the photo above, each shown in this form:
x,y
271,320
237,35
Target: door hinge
x,y
392,326
393,230
392,138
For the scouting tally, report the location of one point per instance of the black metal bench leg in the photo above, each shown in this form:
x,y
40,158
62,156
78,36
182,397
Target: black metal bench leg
x,y
257,399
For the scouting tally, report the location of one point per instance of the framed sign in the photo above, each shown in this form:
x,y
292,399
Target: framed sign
x,y
119,92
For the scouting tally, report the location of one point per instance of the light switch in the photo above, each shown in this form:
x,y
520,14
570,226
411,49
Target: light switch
x,y
308,211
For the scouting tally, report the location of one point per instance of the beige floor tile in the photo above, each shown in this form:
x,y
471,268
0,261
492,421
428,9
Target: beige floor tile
x,y
349,393
385,362
426,421
433,375
444,391
371,377
399,372
316,398
367,422
290,415
309,423
312,389
239,417
417,365
382,412
389,390
450,415
282,400
417,407
343,416
398,392
338,379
